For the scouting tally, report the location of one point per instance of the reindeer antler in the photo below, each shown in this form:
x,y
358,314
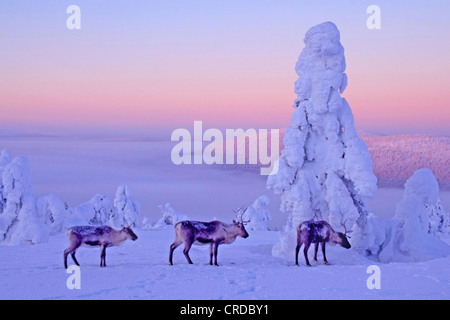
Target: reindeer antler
x,y
240,215
346,232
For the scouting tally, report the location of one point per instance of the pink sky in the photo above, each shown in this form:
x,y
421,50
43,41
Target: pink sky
x,y
227,66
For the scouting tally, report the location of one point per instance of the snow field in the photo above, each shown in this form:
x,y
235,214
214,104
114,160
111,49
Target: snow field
x,y
140,270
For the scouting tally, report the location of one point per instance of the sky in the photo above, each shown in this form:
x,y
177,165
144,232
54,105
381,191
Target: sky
x,y
229,63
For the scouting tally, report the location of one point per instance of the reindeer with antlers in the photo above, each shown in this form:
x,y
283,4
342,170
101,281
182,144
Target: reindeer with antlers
x,y
215,233
319,232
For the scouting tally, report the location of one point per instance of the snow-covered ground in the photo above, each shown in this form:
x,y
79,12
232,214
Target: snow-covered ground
x,y
140,270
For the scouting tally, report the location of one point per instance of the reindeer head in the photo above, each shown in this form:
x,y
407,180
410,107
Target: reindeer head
x,y
130,234
343,237
239,222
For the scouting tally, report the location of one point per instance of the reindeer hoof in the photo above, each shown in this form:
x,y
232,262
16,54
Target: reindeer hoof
x,y
326,263
308,265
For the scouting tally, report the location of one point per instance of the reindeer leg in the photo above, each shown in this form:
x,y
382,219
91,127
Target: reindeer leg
x,y
66,253
297,249
103,256
187,247
71,250
73,257
216,249
323,252
211,253
316,248
305,252
173,246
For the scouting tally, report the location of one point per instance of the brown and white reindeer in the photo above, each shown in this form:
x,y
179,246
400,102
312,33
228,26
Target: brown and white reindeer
x,y
215,233
96,236
318,232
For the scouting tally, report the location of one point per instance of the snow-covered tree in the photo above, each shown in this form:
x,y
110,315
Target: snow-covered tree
x,y
124,211
325,169
128,209
411,235
257,214
439,219
169,217
417,228
52,212
19,222
421,201
96,211
5,158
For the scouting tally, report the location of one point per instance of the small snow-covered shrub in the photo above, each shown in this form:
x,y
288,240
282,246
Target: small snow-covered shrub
x,y
52,212
169,218
257,214
127,209
96,211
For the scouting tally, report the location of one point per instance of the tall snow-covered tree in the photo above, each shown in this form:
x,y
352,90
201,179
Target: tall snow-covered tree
x,y
325,169
19,222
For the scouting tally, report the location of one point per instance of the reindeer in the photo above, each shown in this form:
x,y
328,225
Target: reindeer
x,y
214,233
93,236
318,232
